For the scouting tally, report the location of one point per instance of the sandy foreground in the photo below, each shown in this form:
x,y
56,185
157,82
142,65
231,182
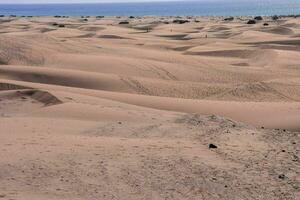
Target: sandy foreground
x,y
94,109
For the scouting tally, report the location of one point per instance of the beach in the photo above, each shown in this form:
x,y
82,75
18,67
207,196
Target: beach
x,y
98,107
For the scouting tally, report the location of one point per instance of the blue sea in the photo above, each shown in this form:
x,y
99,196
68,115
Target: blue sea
x,y
176,8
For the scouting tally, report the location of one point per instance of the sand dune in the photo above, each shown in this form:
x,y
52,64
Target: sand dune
x,y
279,30
95,109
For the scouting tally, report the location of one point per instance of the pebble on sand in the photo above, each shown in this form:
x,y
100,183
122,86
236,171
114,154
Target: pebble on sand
x,y
282,176
212,146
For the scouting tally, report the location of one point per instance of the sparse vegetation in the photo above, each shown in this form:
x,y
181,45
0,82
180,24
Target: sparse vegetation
x,y
251,21
258,18
229,19
275,17
124,22
180,21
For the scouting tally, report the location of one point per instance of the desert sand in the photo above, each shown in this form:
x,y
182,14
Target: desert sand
x,y
94,109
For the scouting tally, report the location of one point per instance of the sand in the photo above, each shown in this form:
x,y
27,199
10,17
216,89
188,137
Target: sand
x,y
102,110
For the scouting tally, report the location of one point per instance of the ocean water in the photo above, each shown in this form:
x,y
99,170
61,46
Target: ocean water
x,y
182,8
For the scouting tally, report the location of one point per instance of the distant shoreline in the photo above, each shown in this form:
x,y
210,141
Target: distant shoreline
x,y
172,8
146,16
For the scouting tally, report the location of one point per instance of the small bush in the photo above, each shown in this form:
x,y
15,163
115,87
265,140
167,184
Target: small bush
x,y
258,18
275,17
229,19
180,21
124,22
251,21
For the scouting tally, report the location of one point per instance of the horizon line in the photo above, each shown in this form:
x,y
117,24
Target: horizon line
x,y
105,2
129,1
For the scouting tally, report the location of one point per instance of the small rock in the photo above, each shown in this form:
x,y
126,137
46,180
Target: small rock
x,y
282,176
262,127
266,24
212,146
2,195
295,158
